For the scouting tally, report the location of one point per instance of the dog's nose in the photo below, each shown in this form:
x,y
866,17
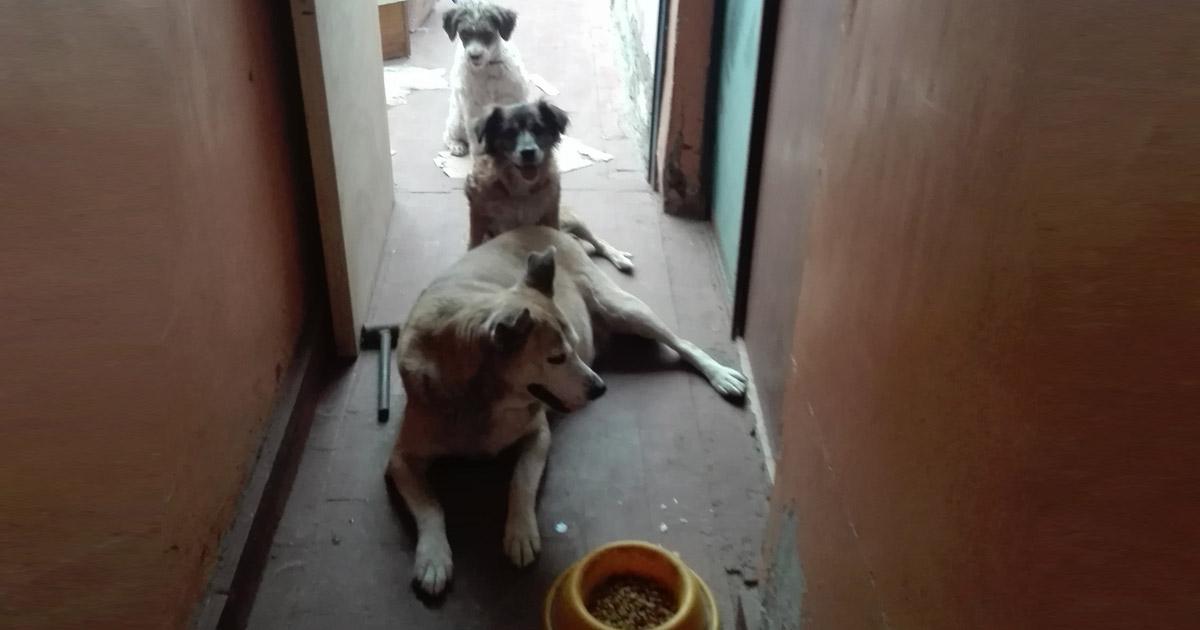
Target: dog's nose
x,y
528,155
475,56
596,389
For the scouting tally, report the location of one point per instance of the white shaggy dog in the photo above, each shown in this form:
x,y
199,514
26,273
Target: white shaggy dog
x,y
487,68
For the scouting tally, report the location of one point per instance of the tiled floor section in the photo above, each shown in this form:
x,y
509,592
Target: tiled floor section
x,y
661,448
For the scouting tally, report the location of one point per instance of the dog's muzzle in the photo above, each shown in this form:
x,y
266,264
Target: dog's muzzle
x,y
596,389
527,156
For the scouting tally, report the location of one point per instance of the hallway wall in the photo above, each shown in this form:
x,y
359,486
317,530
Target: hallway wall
x,y
991,419
635,27
152,283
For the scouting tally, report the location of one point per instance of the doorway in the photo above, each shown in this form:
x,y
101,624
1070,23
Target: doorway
x,y
660,458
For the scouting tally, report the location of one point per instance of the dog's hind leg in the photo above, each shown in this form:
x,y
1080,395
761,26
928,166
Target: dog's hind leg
x,y
433,567
593,245
625,313
521,539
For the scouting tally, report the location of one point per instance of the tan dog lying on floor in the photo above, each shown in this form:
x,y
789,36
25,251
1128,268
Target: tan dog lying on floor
x,y
503,334
515,181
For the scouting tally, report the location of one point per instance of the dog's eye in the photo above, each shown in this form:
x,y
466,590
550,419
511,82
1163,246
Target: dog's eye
x,y
537,129
557,359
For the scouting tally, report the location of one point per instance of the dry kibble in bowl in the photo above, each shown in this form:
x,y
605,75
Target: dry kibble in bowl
x,y
631,602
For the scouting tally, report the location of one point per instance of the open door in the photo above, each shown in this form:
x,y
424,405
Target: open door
x,y
341,76
739,28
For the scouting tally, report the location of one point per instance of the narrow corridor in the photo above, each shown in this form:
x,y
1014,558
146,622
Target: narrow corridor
x,y
660,458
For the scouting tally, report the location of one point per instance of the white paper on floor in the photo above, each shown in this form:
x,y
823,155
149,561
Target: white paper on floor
x,y
542,84
453,167
571,155
400,81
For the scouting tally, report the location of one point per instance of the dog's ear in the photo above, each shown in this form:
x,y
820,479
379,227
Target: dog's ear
x,y
486,126
505,20
509,335
553,116
539,271
450,22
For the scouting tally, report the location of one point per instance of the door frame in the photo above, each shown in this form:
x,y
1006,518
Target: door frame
x,y
660,60
708,162
758,133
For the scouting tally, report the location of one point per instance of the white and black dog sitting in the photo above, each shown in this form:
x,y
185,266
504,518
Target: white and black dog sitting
x,y
487,68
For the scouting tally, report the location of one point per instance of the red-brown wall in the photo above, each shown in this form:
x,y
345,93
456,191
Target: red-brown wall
x,y
992,421
152,289
685,71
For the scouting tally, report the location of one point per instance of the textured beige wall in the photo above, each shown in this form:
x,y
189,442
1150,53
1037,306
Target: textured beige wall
x,y
341,67
151,283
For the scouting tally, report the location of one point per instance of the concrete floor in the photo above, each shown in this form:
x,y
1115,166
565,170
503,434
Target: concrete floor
x,y
661,448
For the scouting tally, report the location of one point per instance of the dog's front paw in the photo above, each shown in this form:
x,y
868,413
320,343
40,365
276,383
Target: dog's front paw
x,y
621,260
457,148
433,567
728,382
521,540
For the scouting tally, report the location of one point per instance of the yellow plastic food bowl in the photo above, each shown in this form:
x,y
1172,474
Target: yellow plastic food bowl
x,y
566,603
